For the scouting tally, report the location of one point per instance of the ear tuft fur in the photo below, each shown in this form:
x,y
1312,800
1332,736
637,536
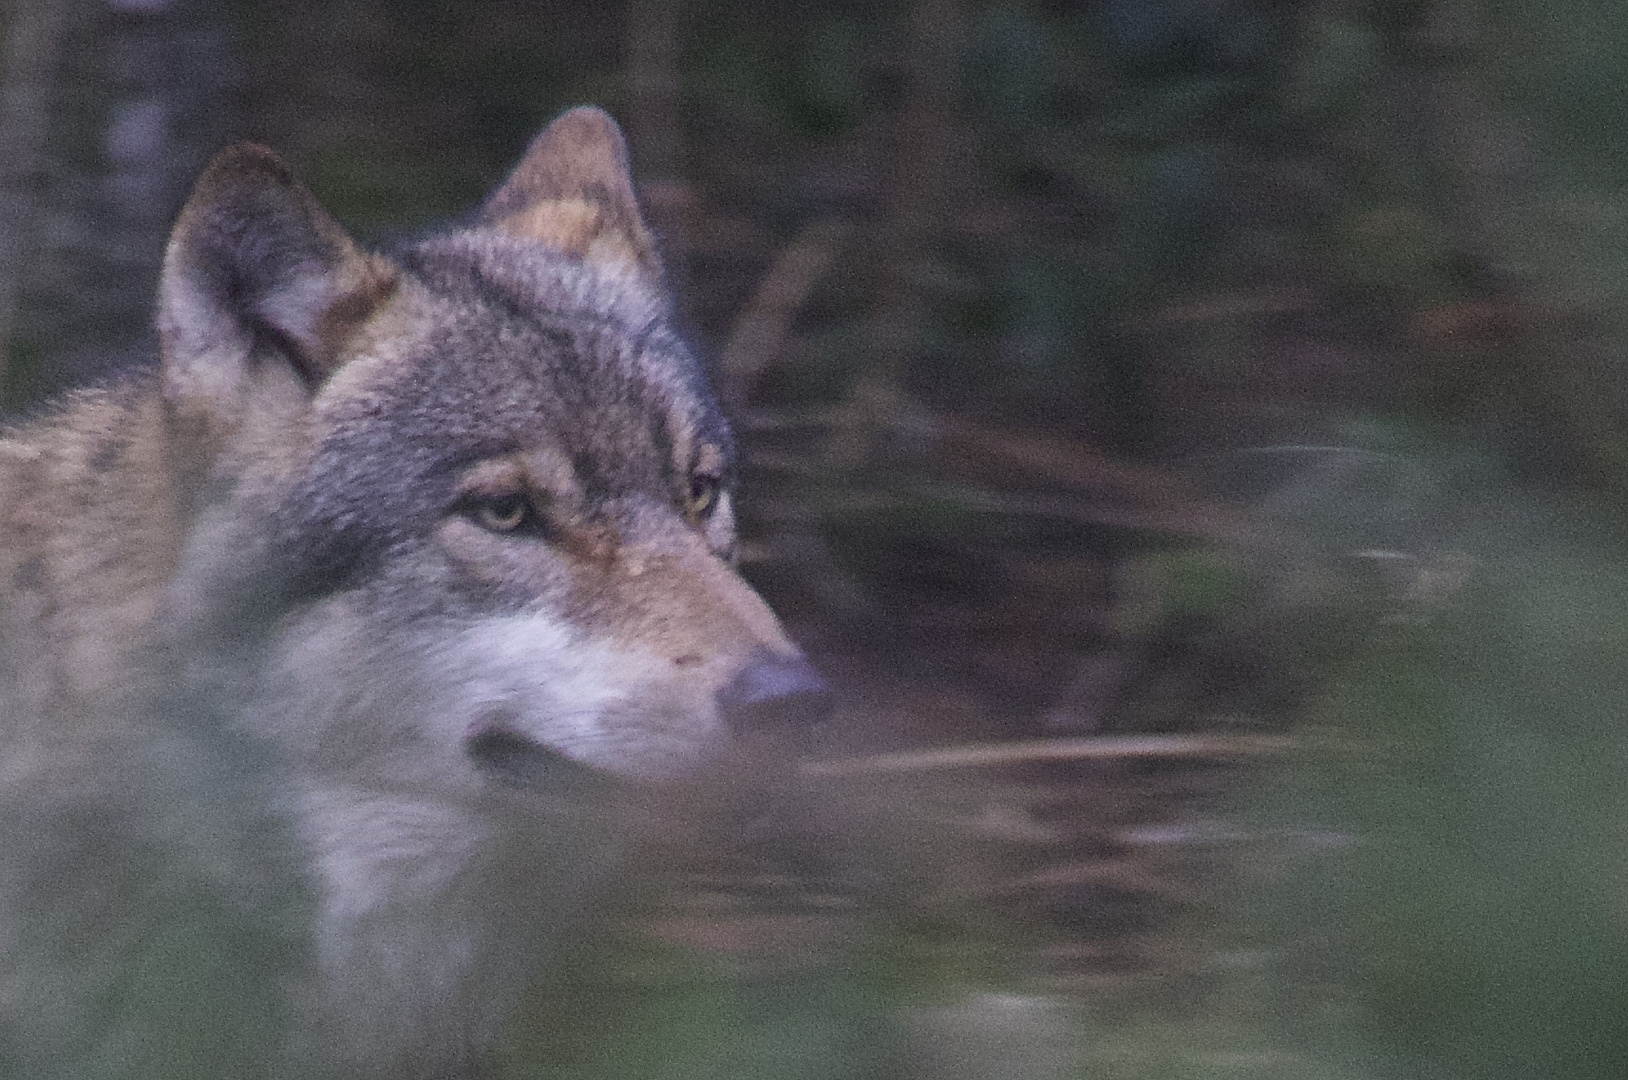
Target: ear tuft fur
x,y
573,191
255,261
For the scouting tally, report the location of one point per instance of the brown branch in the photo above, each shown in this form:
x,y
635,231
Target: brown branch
x,y
1087,748
1160,497
765,322
1123,875
1022,473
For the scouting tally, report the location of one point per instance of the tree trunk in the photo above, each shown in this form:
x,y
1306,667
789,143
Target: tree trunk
x,y
140,98
33,33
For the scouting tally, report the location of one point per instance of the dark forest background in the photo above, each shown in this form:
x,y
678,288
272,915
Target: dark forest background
x,y
1190,433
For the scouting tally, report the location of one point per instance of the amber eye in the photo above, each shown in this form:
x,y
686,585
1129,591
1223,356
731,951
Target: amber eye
x,y
703,496
501,513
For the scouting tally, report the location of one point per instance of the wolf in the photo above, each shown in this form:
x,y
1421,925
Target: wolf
x,y
326,645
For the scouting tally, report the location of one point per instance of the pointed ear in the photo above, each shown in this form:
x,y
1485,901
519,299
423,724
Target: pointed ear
x,y
254,264
573,192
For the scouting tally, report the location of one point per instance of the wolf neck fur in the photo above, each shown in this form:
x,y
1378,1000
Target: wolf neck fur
x,y
89,537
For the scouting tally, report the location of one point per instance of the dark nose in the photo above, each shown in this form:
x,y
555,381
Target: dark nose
x,y
775,693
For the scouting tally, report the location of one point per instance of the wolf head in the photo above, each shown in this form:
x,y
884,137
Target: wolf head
x,y
479,491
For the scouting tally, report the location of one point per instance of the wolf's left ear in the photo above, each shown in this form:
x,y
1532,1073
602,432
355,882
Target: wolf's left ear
x,y
257,271
573,191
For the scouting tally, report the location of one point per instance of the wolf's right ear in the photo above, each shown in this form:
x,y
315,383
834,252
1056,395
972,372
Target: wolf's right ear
x,y
255,263
573,191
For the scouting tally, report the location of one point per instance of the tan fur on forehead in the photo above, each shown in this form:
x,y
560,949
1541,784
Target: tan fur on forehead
x,y
687,452
709,458
382,348
363,288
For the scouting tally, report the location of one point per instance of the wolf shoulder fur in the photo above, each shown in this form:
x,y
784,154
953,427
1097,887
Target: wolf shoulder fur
x,y
313,640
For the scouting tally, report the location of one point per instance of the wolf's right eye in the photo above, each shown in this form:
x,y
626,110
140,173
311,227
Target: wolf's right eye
x,y
501,513
704,492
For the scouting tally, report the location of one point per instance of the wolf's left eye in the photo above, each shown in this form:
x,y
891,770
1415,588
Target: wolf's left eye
x,y
703,495
501,513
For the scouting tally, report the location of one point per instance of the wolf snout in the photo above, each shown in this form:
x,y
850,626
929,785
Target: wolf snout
x,y
775,693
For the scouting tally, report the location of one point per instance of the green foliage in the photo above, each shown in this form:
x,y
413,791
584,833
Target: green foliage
x,y
1463,916
681,1014
811,79
1200,583
362,182
21,382
1565,60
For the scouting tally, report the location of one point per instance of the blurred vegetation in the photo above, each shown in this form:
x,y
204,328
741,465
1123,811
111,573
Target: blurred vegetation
x,y
1111,368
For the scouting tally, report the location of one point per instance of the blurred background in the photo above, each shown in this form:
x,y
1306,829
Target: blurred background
x,y
1189,433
